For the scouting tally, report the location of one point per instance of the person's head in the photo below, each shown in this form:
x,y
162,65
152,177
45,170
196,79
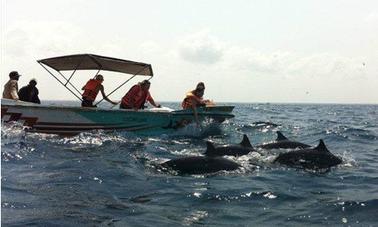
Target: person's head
x,y
200,86
33,82
99,77
200,89
14,75
145,84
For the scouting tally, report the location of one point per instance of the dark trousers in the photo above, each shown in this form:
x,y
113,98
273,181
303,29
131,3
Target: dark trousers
x,y
87,103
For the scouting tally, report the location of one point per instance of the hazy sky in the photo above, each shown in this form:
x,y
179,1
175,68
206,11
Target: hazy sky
x,y
245,51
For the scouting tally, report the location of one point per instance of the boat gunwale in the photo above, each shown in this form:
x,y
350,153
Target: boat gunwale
x,y
201,111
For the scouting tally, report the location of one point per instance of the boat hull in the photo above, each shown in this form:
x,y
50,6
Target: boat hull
x,y
73,120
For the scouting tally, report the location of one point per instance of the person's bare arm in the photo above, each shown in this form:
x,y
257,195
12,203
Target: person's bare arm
x,y
194,108
105,97
13,91
152,101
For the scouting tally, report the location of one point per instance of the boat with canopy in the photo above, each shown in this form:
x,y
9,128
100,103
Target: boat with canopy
x,y
70,120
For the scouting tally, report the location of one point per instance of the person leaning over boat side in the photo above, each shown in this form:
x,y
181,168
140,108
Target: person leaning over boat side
x,y
11,87
194,99
137,96
29,93
91,89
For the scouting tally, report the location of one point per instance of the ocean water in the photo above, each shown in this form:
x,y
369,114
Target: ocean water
x,y
110,178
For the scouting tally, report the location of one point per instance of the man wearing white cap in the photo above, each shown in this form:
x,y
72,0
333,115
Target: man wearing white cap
x,y
11,87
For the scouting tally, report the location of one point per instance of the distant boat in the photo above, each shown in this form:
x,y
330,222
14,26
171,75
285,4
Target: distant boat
x,y
68,120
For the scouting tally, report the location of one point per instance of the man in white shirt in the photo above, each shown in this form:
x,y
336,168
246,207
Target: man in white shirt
x,y
11,87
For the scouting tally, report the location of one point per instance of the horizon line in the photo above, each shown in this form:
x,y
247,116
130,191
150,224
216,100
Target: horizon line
x,y
258,102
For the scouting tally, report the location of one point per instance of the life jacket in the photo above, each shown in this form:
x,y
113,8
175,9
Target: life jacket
x,y
91,89
191,99
135,97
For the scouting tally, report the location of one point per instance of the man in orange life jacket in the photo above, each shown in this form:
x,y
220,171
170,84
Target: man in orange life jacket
x,y
137,96
194,99
91,89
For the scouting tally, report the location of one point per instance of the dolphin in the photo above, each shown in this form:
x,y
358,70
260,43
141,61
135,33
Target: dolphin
x,y
315,158
200,165
283,142
243,148
265,123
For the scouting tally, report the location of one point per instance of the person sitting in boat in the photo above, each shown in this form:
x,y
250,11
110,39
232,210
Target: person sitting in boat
x,y
137,96
91,89
11,87
194,99
29,93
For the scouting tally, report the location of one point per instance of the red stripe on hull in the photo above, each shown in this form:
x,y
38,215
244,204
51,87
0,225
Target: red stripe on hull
x,y
71,124
3,111
15,116
71,131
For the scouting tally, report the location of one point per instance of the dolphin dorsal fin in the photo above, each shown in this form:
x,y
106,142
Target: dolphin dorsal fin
x,y
321,146
280,136
245,142
210,150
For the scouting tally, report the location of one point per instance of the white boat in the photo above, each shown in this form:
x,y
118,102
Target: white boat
x,y
70,120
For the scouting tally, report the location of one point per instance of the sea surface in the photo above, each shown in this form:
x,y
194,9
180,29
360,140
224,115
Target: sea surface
x,y
110,178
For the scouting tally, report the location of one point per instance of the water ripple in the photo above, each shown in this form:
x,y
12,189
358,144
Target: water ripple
x,y
110,178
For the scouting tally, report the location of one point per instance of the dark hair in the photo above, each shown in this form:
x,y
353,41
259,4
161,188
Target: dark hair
x,y
200,86
145,82
33,81
99,77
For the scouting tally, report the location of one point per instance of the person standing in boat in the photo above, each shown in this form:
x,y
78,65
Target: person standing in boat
x,y
137,96
11,87
29,93
194,99
91,89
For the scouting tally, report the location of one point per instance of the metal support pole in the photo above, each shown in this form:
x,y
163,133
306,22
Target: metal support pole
x,y
97,73
60,81
123,84
74,72
69,83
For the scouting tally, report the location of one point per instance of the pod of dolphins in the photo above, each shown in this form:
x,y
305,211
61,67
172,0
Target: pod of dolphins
x,y
300,155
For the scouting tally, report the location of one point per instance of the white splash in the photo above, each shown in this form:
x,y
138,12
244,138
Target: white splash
x,y
194,217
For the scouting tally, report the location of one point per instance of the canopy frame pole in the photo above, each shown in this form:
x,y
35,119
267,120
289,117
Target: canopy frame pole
x,y
68,80
98,63
60,81
73,73
123,84
96,73
69,83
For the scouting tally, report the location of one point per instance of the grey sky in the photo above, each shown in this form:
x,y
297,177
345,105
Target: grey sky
x,y
244,51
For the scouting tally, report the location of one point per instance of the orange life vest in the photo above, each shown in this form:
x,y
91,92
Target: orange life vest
x,y
91,89
190,100
136,97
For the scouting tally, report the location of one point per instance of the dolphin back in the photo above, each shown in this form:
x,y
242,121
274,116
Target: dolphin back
x,y
280,136
245,141
321,146
282,142
200,165
210,149
315,158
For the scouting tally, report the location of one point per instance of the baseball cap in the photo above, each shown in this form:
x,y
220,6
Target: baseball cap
x,y
13,74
